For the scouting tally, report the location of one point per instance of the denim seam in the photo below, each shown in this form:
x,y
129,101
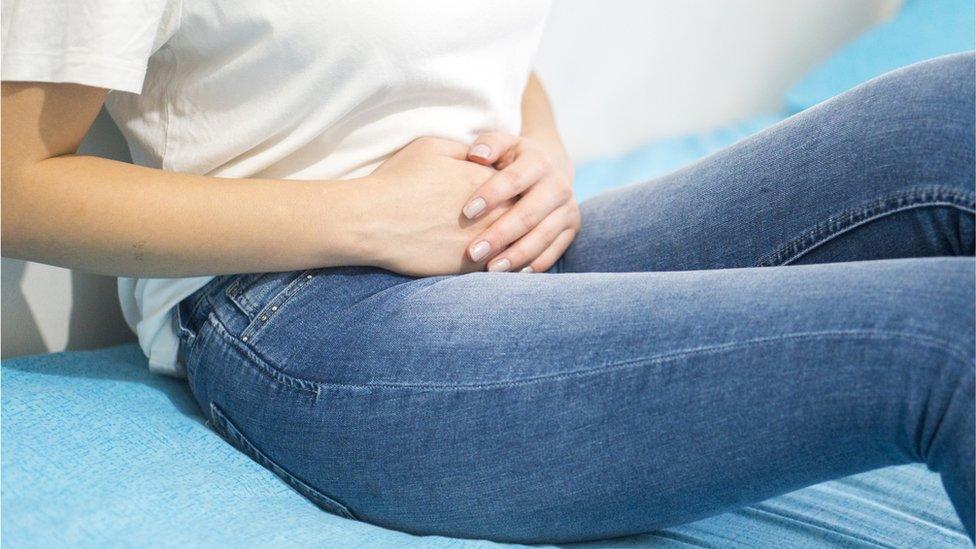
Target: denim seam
x,y
262,365
867,502
236,293
193,350
848,535
226,428
317,386
275,305
838,224
854,334
195,312
674,537
182,332
204,297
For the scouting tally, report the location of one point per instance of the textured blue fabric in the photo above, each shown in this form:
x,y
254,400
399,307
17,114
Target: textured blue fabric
x,y
922,30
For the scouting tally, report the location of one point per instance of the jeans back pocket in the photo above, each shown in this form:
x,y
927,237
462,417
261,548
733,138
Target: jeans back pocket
x,y
226,429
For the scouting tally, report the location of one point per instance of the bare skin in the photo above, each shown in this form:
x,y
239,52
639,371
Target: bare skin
x,y
115,218
535,168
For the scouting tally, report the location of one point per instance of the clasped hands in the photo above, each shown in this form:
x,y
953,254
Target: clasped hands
x,y
504,203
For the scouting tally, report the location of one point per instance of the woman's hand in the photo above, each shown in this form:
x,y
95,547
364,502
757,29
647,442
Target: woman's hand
x,y
545,218
415,199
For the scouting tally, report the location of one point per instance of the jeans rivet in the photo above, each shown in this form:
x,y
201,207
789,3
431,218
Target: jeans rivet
x,y
308,277
244,338
274,308
264,317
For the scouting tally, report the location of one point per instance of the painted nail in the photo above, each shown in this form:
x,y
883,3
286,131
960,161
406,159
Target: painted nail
x,y
480,150
528,270
480,250
473,208
499,265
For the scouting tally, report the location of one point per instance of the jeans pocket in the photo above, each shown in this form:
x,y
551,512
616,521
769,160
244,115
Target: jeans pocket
x,y
226,429
261,296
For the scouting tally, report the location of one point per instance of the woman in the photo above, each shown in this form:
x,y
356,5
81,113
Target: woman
x,y
780,314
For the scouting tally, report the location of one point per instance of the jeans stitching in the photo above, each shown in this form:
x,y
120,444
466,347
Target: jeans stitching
x,y
643,361
316,387
675,537
183,333
883,507
832,528
850,219
236,292
226,428
275,305
204,297
261,365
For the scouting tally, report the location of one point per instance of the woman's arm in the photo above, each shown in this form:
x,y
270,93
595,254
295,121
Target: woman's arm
x,y
114,218
117,219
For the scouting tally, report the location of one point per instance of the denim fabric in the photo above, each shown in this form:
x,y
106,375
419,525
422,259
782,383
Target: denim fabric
x,y
782,313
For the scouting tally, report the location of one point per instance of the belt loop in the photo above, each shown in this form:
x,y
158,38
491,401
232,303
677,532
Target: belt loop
x,y
180,318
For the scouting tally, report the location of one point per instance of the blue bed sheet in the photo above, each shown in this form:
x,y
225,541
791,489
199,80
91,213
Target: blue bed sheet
x,y
97,452
662,156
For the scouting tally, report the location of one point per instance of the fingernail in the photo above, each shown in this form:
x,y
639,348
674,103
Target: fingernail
x,y
480,250
480,150
473,208
528,270
499,265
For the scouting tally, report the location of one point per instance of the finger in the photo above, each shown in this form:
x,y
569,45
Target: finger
x,y
518,176
551,255
531,246
521,218
489,147
443,147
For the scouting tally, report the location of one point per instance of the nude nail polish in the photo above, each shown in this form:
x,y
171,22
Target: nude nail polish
x,y
499,266
473,208
480,250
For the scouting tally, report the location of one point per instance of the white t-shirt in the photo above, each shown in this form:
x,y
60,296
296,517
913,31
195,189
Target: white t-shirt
x,y
303,89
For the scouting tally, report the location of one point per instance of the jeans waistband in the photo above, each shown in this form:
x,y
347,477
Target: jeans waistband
x,y
193,310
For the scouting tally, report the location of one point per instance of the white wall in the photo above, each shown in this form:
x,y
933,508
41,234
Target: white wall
x,y
622,72
619,72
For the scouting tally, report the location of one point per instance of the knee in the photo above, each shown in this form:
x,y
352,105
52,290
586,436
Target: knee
x,y
939,89
935,98
919,122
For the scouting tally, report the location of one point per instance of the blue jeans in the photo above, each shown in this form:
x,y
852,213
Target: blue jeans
x,y
795,309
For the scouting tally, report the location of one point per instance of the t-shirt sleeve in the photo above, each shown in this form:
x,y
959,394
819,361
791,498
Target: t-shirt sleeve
x,y
101,43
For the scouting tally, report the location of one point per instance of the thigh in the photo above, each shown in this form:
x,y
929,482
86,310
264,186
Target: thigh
x,y
579,406
883,171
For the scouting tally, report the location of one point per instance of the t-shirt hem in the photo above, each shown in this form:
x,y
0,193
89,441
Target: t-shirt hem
x,y
163,359
73,67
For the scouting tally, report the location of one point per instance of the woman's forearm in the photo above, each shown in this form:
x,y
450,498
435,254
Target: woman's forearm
x,y
118,219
